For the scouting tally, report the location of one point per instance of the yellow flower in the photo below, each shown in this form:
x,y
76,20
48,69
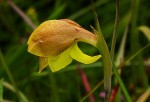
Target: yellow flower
x,y
55,42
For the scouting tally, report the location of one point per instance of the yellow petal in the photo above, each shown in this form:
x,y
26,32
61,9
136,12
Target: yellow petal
x,y
78,55
42,63
61,61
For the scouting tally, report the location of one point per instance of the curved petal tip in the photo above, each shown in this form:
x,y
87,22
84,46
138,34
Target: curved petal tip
x,y
78,55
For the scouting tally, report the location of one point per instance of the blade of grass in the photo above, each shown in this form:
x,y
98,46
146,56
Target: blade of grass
x,y
115,30
133,56
120,66
146,31
112,96
144,96
138,74
121,84
6,68
8,72
119,60
11,88
92,91
1,90
120,56
106,58
125,62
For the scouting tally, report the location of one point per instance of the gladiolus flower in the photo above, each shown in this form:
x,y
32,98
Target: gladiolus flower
x,y
55,42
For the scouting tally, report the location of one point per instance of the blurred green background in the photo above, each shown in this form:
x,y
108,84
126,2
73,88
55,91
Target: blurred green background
x,y
66,85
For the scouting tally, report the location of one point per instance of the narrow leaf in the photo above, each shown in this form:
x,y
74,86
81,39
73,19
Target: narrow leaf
x,y
120,55
146,31
144,96
133,56
92,91
121,84
1,90
106,59
115,30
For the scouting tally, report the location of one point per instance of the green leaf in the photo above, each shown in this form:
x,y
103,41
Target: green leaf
x,y
1,90
128,98
78,55
106,59
60,61
146,31
120,55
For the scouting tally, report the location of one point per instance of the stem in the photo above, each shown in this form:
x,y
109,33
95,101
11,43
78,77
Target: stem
x,y
54,90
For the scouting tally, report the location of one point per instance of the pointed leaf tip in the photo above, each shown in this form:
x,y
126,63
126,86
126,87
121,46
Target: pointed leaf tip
x,y
146,31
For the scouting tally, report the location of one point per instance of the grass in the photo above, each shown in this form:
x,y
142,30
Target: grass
x,y
18,69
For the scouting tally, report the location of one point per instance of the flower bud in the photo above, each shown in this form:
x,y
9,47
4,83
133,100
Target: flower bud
x,y
54,36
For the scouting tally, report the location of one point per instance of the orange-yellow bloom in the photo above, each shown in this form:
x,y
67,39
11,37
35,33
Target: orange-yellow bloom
x,y
55,42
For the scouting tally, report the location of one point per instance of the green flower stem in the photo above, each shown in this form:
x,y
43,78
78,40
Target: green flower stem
x,y
53,86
